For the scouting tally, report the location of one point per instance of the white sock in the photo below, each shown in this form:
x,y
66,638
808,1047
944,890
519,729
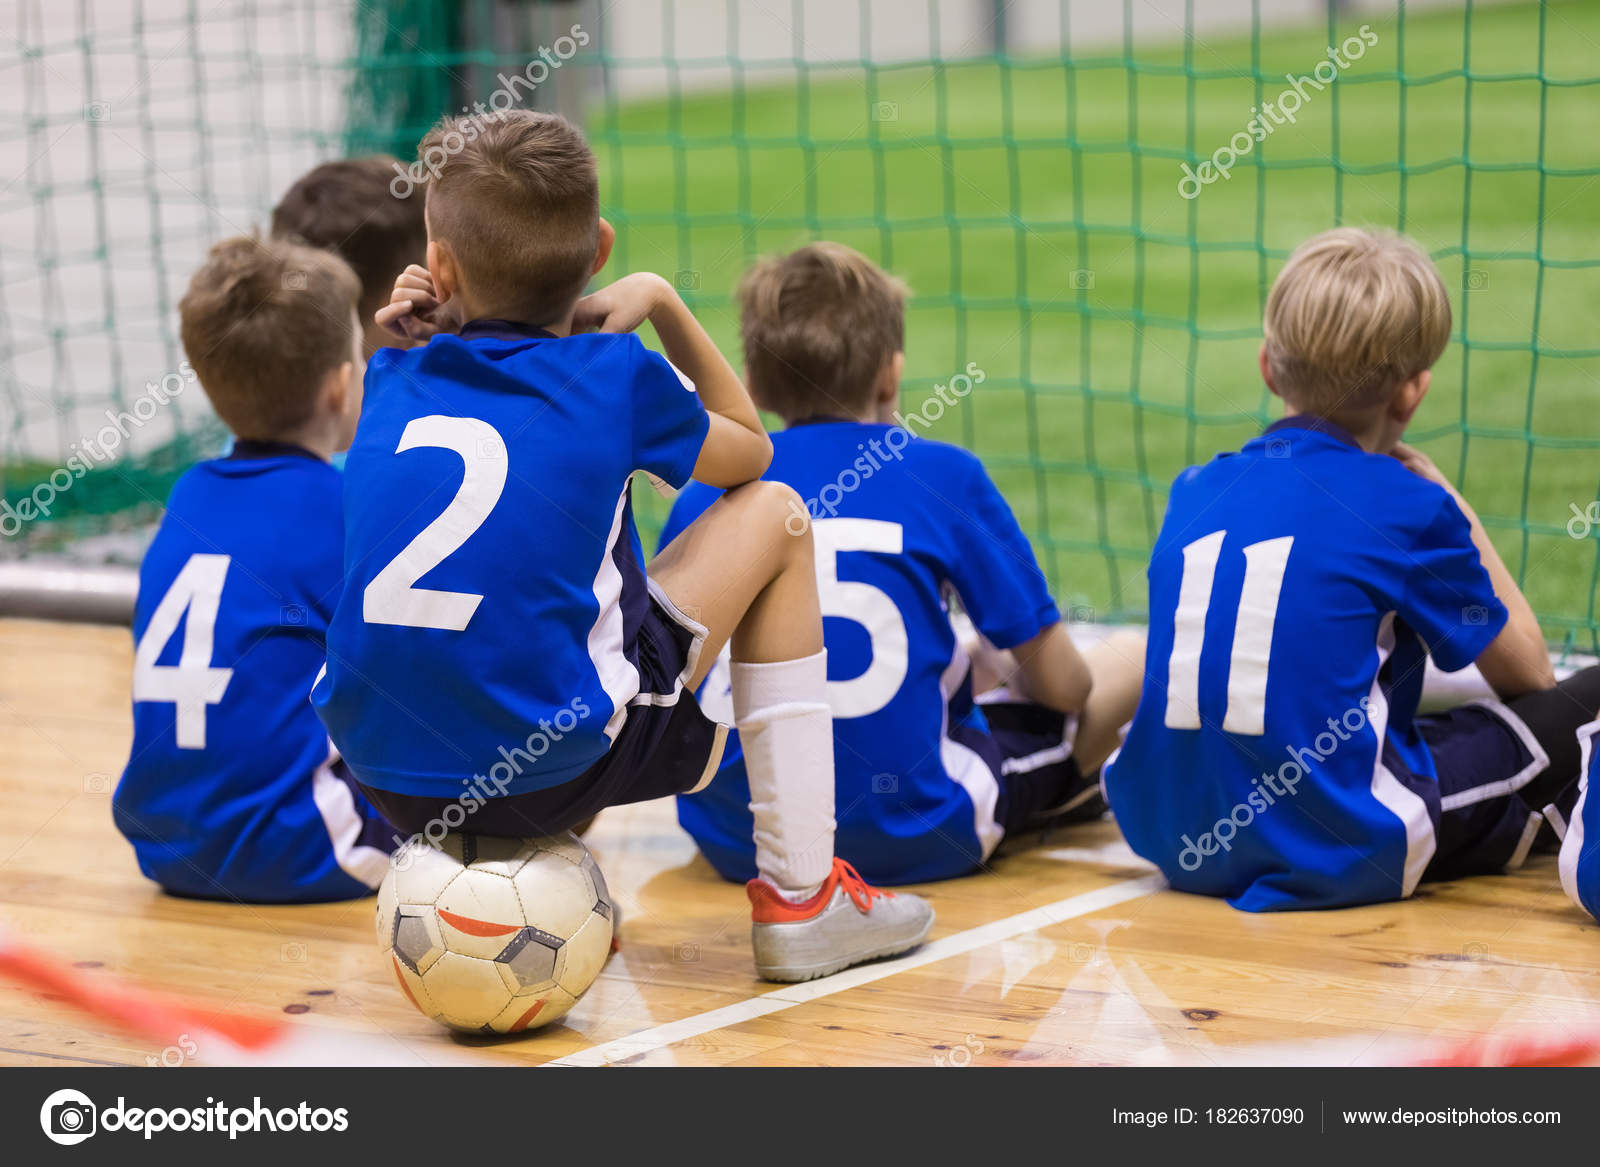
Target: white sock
x,y
786,732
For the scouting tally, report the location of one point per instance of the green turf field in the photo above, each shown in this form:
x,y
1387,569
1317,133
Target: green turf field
x,y
1033,208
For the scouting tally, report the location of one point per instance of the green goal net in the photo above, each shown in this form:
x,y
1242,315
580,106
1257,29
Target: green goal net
x,y
1089,201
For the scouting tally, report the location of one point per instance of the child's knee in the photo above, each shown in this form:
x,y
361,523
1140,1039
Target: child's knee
x,y
776,508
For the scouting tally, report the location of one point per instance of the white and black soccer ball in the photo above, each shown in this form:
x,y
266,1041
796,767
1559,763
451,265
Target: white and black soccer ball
x,y
495,935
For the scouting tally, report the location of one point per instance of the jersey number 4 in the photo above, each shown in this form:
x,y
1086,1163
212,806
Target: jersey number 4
x,y
191,684
1265,563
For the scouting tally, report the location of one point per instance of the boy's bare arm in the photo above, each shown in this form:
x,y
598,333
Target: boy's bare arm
x,y
1053,672
1518,660
737,449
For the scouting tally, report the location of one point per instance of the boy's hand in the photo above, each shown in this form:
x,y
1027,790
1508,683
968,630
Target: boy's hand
x,y
1421,465
622,306
414,312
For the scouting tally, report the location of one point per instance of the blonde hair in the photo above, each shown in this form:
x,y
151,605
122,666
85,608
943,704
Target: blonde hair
x,y
1352,316
819,325
263,321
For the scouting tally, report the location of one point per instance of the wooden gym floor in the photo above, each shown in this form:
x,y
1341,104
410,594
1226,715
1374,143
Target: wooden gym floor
x,y
1069,952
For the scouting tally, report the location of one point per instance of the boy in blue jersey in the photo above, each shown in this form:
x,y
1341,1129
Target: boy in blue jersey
x,y
500,662
232,790
1297,588
929,778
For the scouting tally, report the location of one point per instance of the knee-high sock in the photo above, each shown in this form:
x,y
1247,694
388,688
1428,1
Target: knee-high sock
x,y
786,731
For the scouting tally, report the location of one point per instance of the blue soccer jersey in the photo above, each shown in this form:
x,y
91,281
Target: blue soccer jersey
x,y
1580,850
1296,590
897,520
229,792
487,640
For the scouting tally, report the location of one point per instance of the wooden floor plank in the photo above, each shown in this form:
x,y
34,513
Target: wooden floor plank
x,y
1160,978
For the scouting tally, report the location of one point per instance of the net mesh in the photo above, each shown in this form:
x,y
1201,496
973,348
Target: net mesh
x,y
1018,164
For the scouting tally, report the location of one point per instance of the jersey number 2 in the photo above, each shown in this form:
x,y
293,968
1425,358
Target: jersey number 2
x,y
191,684
1264,565
393,597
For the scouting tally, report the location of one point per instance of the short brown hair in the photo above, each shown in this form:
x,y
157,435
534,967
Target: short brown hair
x,y
1352,316
818,326
350,208
263,322
516,197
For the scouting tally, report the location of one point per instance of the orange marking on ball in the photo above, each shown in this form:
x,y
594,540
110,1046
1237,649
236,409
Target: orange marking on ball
x,y
476,927
527,1018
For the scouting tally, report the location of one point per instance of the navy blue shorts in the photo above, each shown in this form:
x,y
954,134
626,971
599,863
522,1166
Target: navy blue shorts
x,y
1029,747
666,746
1484,755
376,831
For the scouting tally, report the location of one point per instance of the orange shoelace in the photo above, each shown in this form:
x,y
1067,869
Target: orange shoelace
x,y
859,890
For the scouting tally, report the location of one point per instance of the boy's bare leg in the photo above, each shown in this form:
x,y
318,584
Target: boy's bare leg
x,y
1117,666
742,571
745,570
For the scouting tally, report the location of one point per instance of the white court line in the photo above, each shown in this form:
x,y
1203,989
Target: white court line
x,y
789,996
1117,854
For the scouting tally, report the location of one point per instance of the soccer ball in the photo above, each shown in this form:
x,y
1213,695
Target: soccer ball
x,y
495,935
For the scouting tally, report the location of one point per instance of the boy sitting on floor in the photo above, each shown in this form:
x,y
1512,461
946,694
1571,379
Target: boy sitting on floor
x,y
1297,588
232,790
928,779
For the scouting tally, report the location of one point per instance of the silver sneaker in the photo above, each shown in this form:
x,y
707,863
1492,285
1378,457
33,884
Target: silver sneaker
x,y
848,922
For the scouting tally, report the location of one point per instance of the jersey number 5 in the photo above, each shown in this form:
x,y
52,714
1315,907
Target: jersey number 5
x,y
867,606
191,684
1265,563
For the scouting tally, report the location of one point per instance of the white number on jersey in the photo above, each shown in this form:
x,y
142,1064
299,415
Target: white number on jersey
x,y
191,684
1265,563
858,602
865,605
393,597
